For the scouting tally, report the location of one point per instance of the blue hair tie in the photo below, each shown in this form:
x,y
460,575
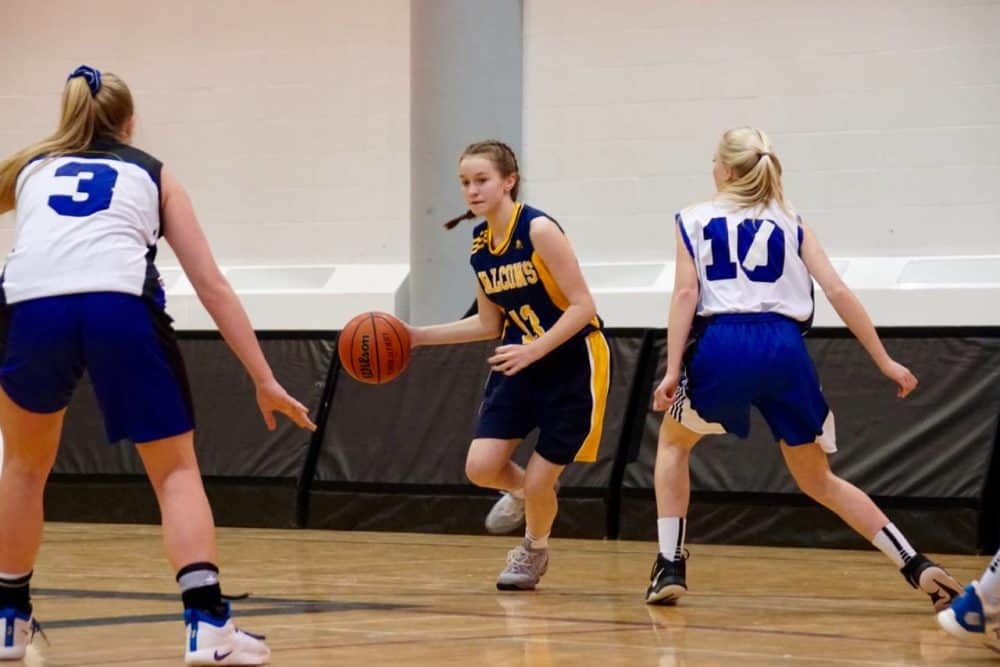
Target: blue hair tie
x,y
93,77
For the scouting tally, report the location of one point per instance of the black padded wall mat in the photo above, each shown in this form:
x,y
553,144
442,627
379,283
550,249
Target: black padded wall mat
x,y
230,438
936,443
417,429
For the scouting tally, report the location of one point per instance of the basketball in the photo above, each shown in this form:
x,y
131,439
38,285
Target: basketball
x,y
374,347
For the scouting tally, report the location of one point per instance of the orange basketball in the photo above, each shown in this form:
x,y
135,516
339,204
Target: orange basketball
x,y
374,347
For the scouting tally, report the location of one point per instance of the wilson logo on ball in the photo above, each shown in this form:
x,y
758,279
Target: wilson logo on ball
x,y
364,364
374,347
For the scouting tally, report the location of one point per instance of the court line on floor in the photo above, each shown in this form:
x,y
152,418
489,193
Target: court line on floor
x,y
293,606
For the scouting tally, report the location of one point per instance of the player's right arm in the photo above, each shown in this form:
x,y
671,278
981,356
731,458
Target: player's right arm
x,y
485,325
186,238
852,313
683,305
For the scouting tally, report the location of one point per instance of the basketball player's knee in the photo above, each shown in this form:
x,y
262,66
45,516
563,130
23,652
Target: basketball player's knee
x,y
480,472
673,448
28,472
816,484
537,486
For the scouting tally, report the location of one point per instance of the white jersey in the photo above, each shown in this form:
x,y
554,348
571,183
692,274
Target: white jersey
x,y
86,222
748,261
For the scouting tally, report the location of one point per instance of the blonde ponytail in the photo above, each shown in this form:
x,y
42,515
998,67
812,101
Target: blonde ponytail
x,y
755,166
93,105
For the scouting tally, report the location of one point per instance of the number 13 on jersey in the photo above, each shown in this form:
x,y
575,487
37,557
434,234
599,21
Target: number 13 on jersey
x,y
528,322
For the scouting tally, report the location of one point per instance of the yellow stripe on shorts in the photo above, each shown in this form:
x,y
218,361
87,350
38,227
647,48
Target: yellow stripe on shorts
x,y
600,382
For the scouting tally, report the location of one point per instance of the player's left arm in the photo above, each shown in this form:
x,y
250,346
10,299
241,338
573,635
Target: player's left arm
x,y
556,252
852,312
187,239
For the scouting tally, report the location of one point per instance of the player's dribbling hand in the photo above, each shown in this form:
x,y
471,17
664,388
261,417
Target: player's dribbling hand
x,y
509,359
272,397
666,391
902,376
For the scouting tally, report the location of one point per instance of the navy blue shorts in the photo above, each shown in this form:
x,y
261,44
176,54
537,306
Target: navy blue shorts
x,y
760,360
563,394
125,343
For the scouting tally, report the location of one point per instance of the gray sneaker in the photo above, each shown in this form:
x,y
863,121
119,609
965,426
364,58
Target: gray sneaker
x,y
525,566
506,516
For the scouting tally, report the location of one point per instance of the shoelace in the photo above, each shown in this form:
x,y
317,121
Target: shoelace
x,y
521,560
656,564
36,628
242,596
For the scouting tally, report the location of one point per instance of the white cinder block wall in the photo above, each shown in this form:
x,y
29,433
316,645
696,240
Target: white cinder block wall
x,y
884,114
287,121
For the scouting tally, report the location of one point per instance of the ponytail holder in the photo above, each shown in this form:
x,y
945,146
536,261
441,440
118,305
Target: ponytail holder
x,y
763,154
93,77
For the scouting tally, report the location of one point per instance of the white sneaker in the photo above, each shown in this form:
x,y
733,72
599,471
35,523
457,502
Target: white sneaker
x,y
213,640
971,617
16,631
506,516
525,567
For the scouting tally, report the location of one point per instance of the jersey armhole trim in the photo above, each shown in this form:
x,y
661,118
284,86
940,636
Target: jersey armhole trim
x,y
800,233
684,235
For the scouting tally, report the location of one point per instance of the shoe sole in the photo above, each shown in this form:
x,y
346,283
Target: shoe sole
x,y
206,657
515,587
494,529
940,586
668,595
946,619
503,586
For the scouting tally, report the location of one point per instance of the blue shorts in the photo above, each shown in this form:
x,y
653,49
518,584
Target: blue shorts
x,y
125,343
563,394
760,360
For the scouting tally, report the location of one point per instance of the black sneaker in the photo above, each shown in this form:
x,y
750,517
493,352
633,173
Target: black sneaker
x,y
667,580
924,574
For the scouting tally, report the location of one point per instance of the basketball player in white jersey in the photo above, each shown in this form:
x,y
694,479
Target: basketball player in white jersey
x,y
742,298
80,291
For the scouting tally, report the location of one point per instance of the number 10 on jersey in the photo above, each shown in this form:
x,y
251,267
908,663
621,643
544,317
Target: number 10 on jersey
x,y
760,249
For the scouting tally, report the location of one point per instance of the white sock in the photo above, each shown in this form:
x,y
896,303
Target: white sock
x,y
517,493
892,543
672,531
537,542
989,584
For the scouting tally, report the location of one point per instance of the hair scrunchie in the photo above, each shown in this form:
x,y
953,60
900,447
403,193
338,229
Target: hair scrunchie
x,y
93,77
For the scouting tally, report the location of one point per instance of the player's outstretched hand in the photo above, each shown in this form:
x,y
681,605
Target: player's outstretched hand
x,y
272,397
902,376
509,359
666,392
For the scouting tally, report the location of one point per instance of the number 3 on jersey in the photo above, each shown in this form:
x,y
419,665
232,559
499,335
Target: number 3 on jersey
x,y
527,318
95,181
760,248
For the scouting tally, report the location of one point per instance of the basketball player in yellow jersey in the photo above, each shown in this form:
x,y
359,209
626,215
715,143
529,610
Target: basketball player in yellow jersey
x,y
552,369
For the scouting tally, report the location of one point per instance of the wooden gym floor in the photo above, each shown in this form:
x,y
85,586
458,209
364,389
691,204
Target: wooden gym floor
x,y
105,597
